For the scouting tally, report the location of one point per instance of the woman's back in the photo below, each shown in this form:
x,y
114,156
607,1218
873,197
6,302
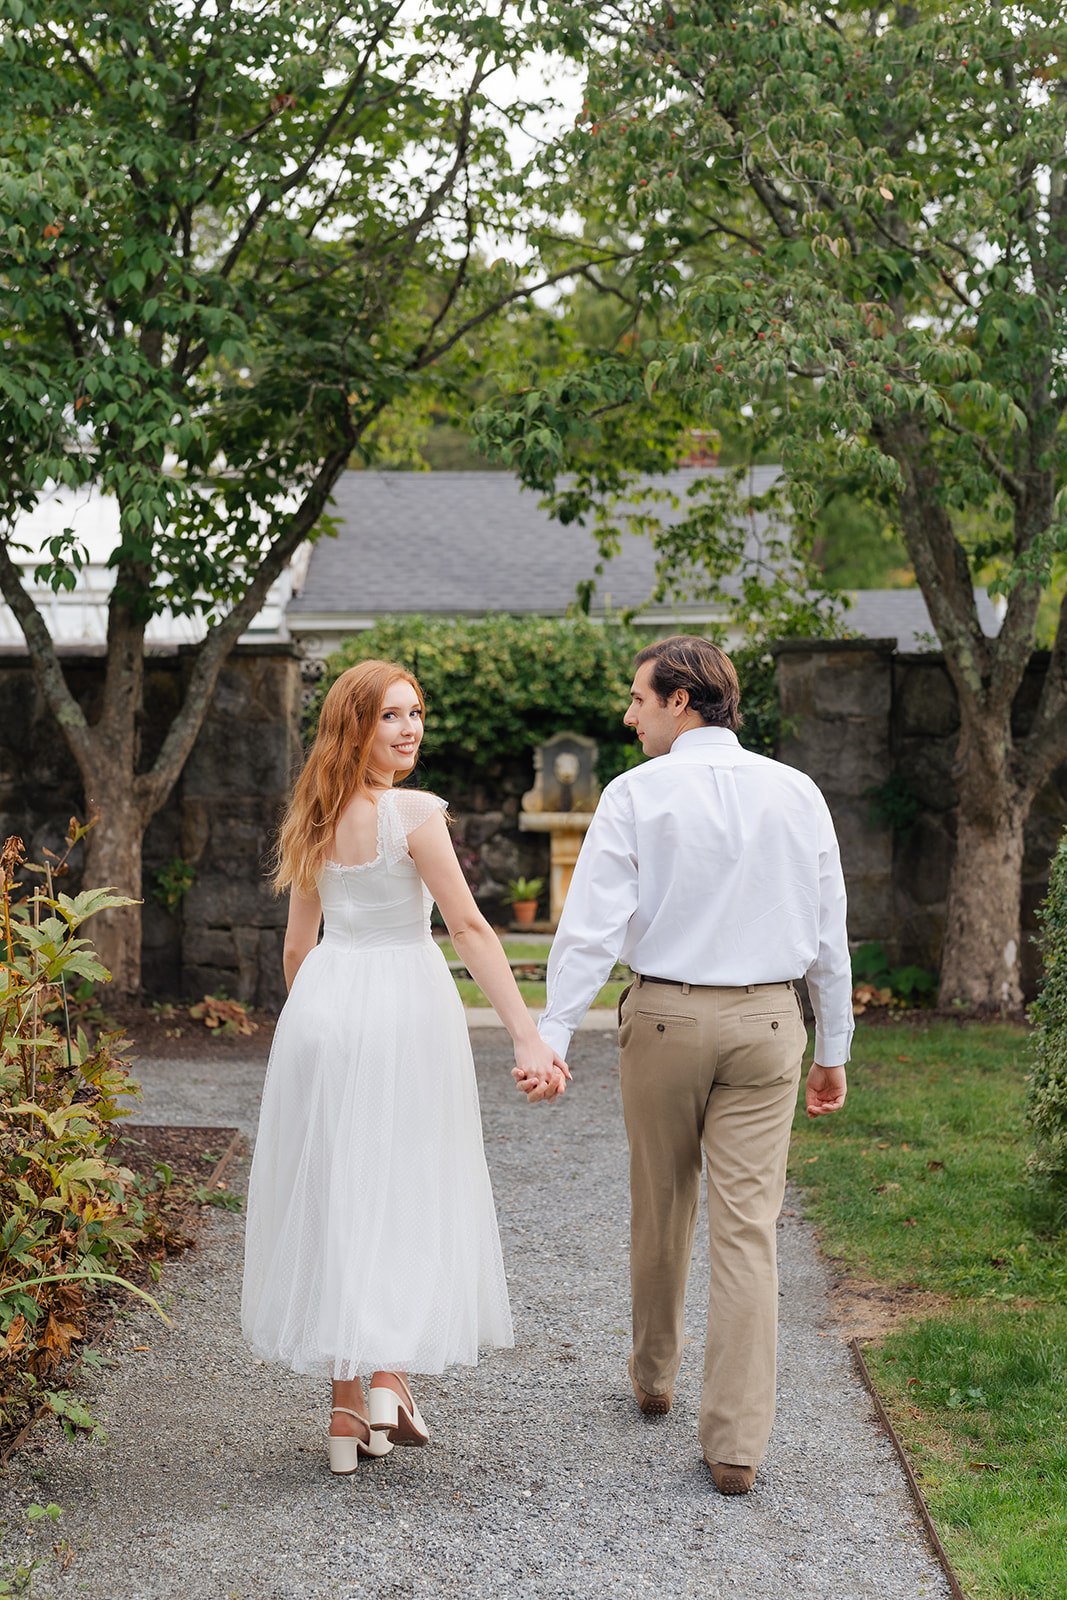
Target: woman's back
x,y
378,901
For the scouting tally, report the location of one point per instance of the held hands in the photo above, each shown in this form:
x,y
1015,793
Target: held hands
x,y
825,1090
539,1072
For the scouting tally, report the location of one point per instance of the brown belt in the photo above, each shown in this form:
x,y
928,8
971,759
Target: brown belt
x,y
676,983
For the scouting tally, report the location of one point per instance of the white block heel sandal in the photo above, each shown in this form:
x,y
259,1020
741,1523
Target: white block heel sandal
x,y
397,1418
345,1450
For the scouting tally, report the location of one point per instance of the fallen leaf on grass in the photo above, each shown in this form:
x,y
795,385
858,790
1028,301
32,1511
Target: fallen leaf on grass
x,y
905,1058
884,1188
935,1166
915,1383
984,1466
810,1159
909,1222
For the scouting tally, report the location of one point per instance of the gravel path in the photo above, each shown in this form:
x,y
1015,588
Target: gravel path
x,y
541,1480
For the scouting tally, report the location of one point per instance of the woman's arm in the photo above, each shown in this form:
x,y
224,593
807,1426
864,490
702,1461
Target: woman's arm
x,y
301,932
478,947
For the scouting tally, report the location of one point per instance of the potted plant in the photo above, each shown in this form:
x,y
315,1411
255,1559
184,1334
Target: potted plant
x,y
521,895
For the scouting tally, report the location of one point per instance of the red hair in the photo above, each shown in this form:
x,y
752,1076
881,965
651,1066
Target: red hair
x,y
335,770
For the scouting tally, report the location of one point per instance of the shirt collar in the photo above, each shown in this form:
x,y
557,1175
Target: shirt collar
x,y
697,736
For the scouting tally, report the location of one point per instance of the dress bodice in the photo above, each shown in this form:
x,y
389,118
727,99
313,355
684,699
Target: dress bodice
x,y
383,903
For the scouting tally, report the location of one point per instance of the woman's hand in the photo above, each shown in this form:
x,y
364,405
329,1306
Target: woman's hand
x,y
539,1072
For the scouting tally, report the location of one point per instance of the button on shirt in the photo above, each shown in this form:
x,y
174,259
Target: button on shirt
x,y
707,865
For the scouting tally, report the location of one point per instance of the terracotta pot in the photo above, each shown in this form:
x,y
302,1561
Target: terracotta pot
x,y
524,911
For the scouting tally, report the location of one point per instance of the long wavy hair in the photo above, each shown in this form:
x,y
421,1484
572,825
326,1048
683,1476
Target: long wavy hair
x,y
336,769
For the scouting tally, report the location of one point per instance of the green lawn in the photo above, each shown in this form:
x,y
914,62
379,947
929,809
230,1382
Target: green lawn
x,y
920,1181
532,989
534,993
514,949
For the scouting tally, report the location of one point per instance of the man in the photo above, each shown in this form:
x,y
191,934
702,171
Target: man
x,y
715,874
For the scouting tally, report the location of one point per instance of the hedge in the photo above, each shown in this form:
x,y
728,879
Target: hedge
x,y
1046,1109
498,686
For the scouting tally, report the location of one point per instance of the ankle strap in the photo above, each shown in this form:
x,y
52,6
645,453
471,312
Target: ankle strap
x,y
348,1412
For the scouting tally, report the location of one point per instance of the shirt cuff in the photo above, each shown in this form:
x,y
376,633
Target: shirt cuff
x,y
832,1049
555,1035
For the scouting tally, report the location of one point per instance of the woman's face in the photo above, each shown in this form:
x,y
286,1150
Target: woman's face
x,y
396,740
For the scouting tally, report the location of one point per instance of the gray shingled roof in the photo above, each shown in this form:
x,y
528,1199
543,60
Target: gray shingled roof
x,y
901,614
456,542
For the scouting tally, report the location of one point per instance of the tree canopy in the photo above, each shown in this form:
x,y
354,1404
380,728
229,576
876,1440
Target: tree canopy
x,y
236,241
855,239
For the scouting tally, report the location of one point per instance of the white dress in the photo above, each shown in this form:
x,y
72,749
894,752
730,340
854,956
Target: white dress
x,y
372,1238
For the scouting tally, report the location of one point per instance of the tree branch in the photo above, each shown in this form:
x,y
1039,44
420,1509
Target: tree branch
x,y
153,787
42,652
1003,474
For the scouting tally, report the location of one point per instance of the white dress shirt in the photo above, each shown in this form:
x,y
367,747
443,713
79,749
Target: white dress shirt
x,y
707,865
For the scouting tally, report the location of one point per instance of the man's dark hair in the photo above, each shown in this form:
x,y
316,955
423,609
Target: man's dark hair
x,y
703,670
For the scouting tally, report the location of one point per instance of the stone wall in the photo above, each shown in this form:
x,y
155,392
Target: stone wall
x,y
227,931
857,714
485,830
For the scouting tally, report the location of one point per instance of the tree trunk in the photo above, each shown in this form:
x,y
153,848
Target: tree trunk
x,y
980,948
113,860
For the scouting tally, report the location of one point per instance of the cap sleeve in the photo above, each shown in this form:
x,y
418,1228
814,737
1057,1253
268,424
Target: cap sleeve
x,y
401,811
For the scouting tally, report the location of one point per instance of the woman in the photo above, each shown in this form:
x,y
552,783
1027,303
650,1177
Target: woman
x,y
372,1242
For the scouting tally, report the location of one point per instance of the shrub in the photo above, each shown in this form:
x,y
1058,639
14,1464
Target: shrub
x,y
876,983
69,1215
1046,1101
498,686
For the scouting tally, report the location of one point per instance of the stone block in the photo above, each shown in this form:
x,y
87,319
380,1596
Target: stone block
x,y
924,701
843,758
919,935
795,673
870,908
221,903
501,858
209,947
199,981
245,758
924,862
1045,826
853,686
926,766
161,947
866,851
270,978
477,828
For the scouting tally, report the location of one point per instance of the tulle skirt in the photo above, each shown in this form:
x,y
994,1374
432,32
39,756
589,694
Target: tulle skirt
x,y
372,1238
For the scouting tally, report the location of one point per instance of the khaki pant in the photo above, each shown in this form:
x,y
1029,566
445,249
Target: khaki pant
x,y
718,1070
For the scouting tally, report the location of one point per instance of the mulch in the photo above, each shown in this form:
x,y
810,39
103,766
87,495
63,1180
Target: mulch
x,y
192,1154
923,1016
178,1037
197,1158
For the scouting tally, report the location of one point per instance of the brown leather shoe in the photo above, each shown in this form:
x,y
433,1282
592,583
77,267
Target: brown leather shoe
x,y
731,1479
653,1405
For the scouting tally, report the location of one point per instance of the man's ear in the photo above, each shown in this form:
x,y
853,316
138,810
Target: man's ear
x,y
680,702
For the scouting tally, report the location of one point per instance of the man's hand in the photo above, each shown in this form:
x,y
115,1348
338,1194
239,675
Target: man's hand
x,y
825,1090
539,1072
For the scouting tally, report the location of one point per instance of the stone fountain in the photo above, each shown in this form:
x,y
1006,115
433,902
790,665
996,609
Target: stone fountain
x,y
561,804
